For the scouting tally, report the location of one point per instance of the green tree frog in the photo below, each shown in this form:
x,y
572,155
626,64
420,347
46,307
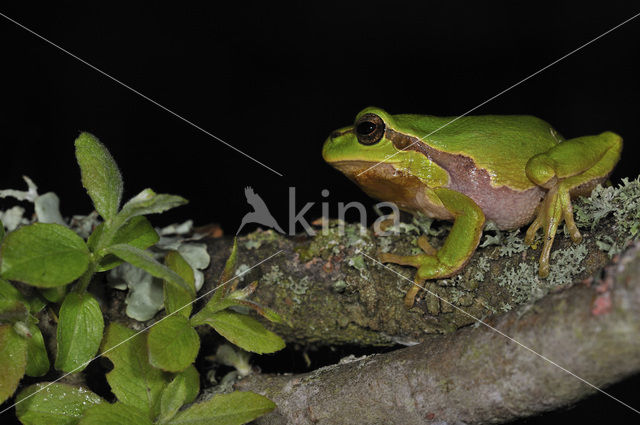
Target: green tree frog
x,y
511,169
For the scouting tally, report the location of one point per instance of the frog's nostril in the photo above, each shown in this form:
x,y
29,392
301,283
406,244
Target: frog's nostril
x,y
335,134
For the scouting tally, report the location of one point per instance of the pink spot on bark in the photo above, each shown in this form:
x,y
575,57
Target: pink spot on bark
x,y
308,264
602,304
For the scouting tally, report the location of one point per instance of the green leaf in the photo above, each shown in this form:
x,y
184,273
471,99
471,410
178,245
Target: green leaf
x,y
37,359
136,232
245,332
173,344
114,414
175,298
79,332
13,360
44,255
143,260
230,265
100,175
55,295
190,380
263,311
52,403
218,302
8,292
13,306
36,304
245,292
94,237
226,409
214,306
149,202
183,389
12,311
228,272
133,380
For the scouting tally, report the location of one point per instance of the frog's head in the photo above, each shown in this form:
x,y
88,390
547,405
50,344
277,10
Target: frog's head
x,y
374,152
363,142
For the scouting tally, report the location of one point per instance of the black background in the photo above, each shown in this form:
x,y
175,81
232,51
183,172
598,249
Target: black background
x,y
273,81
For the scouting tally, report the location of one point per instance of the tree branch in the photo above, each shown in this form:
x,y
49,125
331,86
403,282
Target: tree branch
x,y
476,375
332,292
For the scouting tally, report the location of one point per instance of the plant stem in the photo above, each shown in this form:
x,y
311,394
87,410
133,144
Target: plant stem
x,y
111,226
85,279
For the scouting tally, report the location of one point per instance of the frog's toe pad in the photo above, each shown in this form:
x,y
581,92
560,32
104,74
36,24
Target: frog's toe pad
x,y
410,296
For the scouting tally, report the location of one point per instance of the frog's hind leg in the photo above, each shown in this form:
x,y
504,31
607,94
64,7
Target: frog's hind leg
x,y
568,169
457,249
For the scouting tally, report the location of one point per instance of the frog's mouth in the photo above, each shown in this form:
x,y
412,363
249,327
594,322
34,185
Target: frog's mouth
x,y
357,168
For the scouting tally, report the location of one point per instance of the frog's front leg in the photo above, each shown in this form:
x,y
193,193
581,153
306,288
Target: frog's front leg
x,y
572,167
457,249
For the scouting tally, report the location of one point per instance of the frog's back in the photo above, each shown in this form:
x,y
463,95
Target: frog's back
x,y
500,144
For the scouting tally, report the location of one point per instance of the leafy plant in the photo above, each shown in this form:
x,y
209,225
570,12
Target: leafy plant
x,y
146,395
173,343
153,374
22,348
50,256
241,329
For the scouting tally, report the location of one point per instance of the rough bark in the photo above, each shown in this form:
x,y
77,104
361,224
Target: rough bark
x,y
476,375
332,293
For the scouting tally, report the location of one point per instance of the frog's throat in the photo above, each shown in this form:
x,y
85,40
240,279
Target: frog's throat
x,y
385,182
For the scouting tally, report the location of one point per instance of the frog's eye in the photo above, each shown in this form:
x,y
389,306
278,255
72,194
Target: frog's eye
x,y
369,129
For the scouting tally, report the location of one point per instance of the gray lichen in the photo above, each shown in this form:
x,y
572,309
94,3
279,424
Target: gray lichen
x,y
623,203
525,286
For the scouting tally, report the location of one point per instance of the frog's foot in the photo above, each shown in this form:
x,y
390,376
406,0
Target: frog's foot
x,y
575,165
555,208
428,265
